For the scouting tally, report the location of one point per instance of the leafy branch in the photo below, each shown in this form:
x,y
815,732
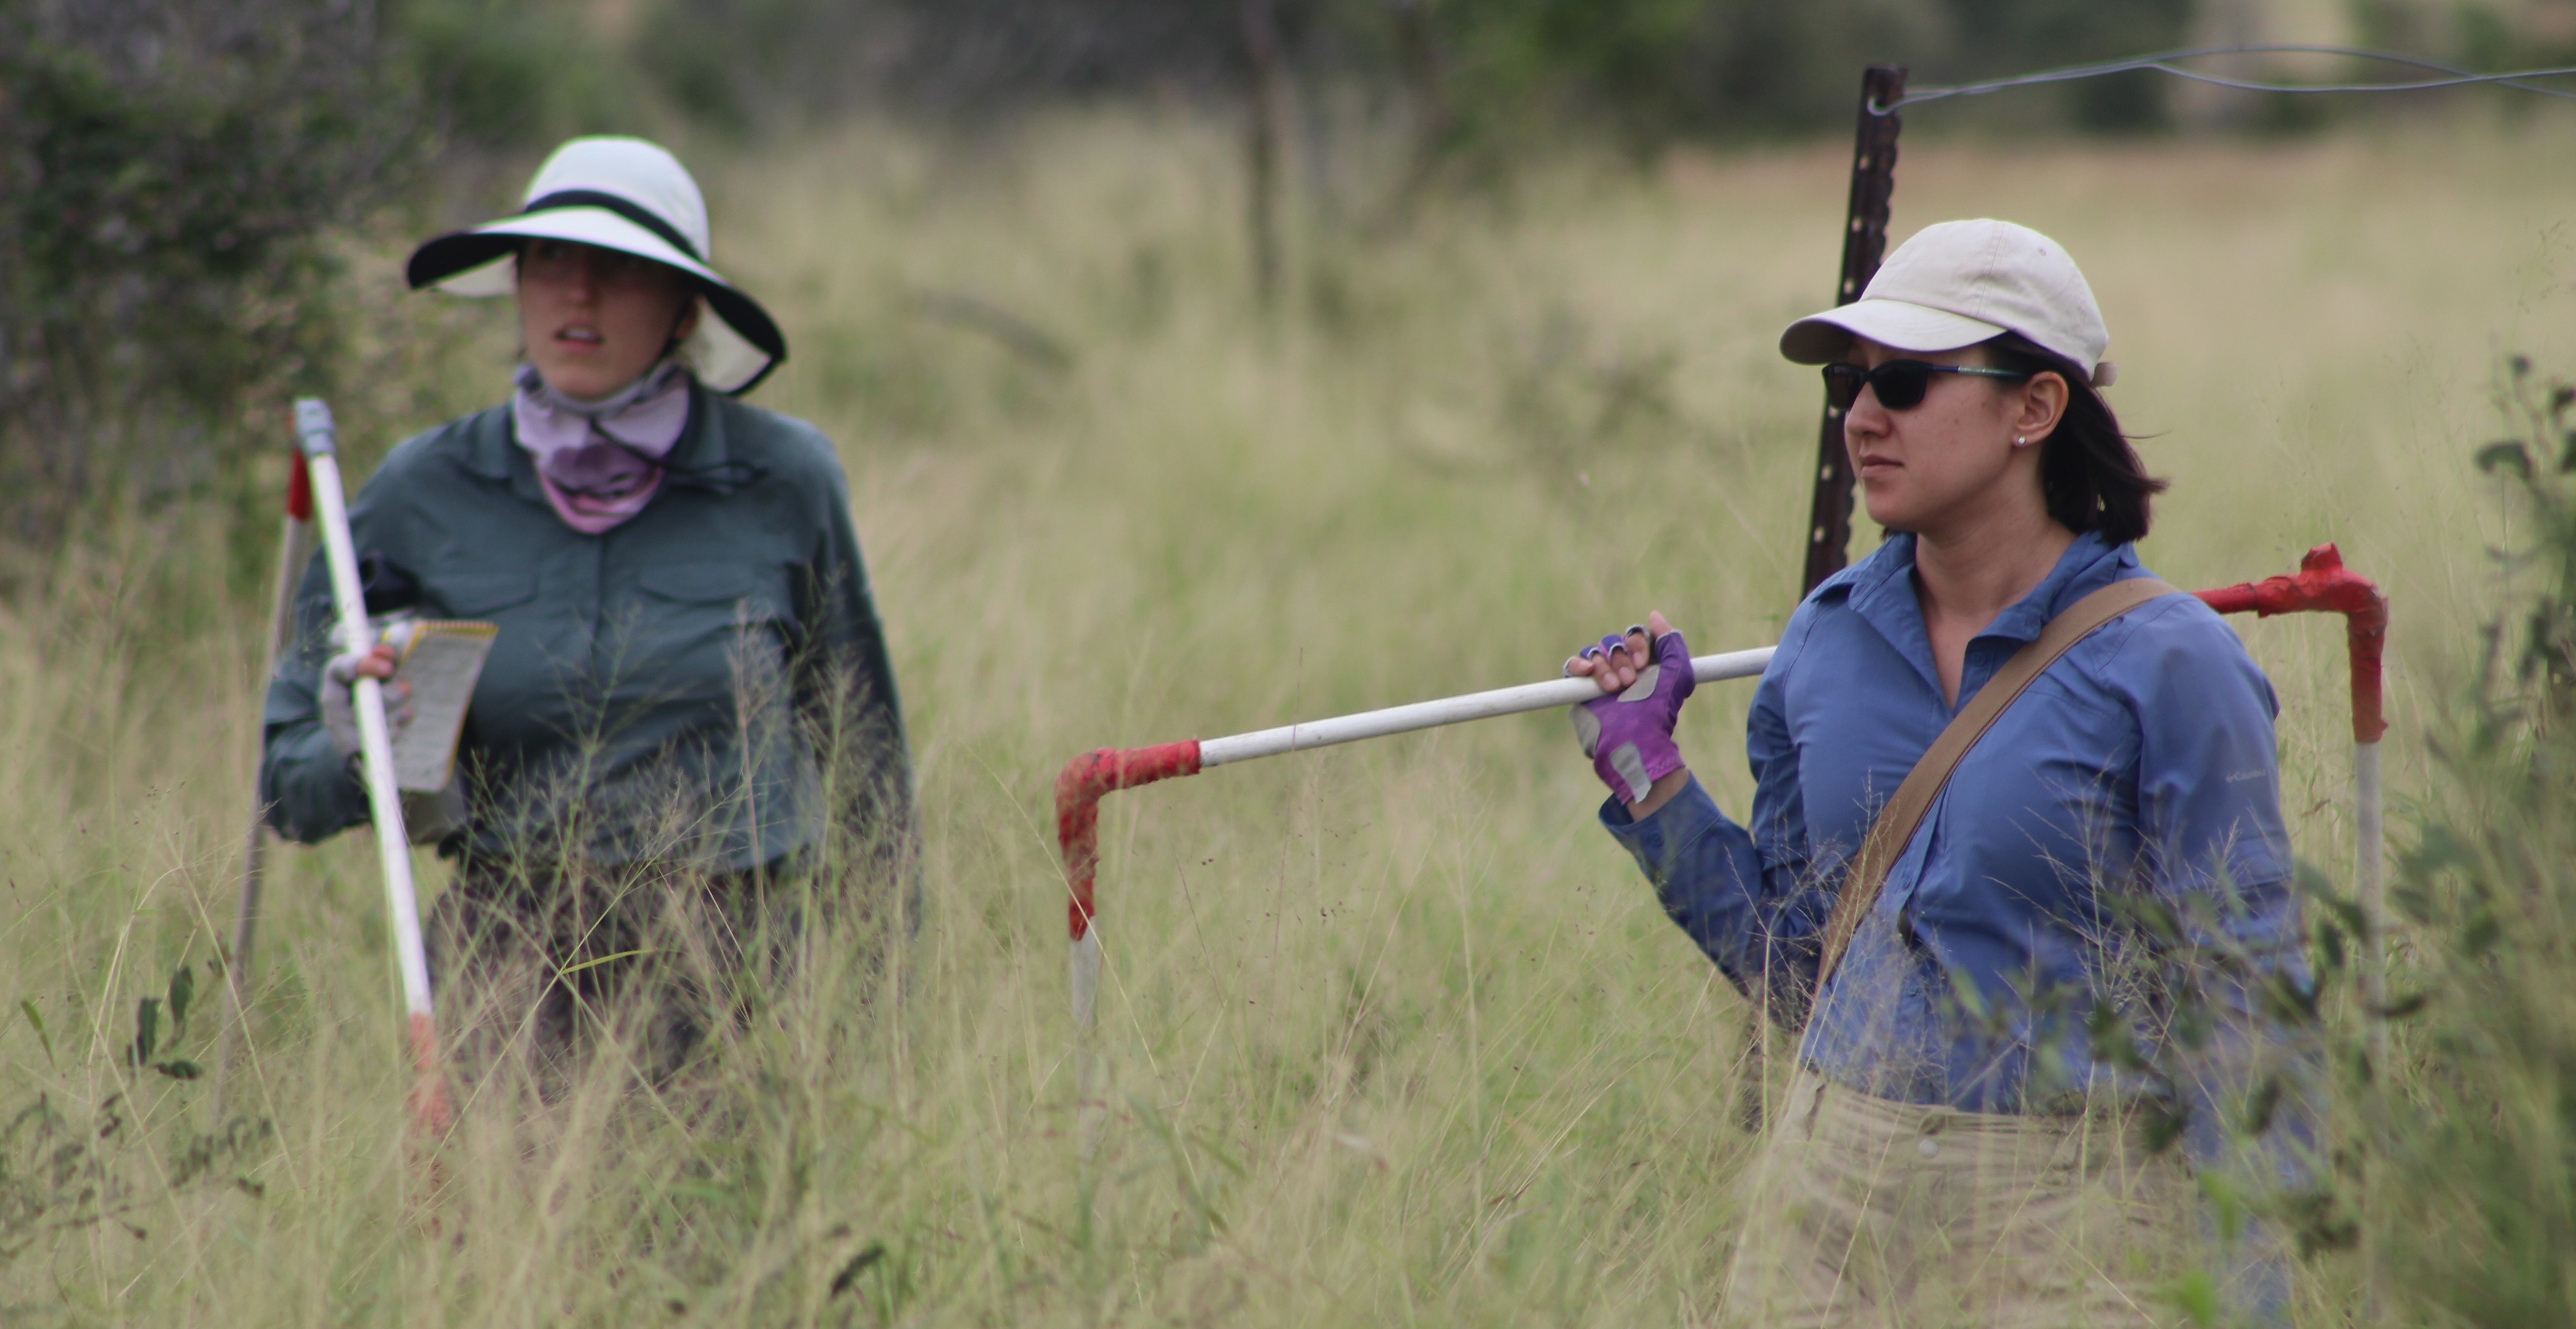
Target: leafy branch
x,y
58,1173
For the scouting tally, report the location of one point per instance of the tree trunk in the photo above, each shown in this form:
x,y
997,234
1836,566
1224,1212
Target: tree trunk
x,y
1418,56
1261,146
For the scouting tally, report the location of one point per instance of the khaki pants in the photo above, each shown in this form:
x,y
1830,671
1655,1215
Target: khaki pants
x,y
1866,1212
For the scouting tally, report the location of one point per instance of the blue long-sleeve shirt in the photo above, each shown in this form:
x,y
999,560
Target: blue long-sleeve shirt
x,y
2140,765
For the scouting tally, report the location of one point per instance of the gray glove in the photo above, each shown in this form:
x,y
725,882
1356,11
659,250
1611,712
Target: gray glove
x,y
428,817
340,710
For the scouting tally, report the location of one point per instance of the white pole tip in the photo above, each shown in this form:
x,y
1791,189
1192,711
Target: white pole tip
x,y
313,427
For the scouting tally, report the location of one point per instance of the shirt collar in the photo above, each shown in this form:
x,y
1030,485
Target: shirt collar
x,y
1880,590
1885,580
2087,566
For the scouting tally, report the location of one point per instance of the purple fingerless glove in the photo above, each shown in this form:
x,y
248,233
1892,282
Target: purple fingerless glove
x,y
1629,737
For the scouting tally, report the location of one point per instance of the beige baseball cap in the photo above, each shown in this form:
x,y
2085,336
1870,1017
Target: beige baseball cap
x,y
1958,283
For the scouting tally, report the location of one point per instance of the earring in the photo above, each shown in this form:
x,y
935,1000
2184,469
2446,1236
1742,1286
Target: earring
x,y
2020,442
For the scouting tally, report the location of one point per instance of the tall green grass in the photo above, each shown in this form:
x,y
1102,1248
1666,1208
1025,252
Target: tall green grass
x,y
1393,1034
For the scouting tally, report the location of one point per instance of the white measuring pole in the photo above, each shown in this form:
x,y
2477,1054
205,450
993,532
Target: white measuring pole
x,y
1090,1102
2369,891
314,436
1448,711
1177,759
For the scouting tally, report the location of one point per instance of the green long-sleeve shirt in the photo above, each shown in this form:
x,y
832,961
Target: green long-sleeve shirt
x,y
707,680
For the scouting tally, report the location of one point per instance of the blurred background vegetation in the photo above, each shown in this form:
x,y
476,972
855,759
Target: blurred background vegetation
x,y
180,180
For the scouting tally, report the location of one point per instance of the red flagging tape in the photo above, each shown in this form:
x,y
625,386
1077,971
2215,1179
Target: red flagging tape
x,y
1079,788
431,1113
299,489
2324,585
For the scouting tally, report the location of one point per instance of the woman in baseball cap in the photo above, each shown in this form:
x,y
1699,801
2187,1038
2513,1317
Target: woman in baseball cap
x,y
1949,904
688,707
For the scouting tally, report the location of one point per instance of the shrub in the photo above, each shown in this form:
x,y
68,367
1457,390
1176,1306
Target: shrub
x,y
167,176
2476,1121
176,182
1648,70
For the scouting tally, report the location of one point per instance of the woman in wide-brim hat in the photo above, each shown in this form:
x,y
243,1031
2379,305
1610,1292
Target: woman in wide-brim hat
x,y
630,197
1965,1139
687,732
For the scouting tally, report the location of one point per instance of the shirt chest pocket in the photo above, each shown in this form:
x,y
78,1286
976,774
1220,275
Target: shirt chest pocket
x,y
480,595
702,630
517,687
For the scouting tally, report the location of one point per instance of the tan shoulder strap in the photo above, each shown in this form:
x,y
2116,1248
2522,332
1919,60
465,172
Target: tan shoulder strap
x,y
1903,815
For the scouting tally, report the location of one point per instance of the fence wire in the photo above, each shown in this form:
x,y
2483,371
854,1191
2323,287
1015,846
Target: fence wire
x,y
2165,62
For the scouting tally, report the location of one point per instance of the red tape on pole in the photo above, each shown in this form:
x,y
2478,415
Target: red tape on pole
x,y
299,490
1079,788
2325,585
431,1113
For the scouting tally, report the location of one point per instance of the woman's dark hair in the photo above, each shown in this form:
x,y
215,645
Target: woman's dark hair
x,y
2090,477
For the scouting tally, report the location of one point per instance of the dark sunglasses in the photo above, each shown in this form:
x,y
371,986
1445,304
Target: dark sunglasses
x,y
1899,384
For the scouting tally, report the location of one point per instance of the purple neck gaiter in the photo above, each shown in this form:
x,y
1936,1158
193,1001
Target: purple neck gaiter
x,y
596,459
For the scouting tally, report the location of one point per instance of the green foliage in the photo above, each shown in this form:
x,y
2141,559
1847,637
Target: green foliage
x,y
1655,69
2196,1295
63,1169
147,1028
1997,38
2541,464
1492,76
2476,1123
178,185
730,63
1726,69
511,75
2487,35
36,1022
163,224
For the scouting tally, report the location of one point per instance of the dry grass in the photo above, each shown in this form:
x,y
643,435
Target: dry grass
x,y
1396,1034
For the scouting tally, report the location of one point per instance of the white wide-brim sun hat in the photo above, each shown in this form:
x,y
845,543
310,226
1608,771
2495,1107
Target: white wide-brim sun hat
x,y
631,196
1955,284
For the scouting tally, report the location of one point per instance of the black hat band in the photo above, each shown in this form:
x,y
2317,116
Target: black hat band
x,y
627,208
